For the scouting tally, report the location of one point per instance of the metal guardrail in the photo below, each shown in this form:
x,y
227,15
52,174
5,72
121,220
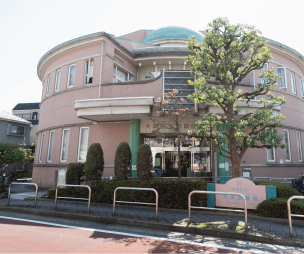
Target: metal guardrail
x,y
289,212
70,185
209,208
9,192
133,188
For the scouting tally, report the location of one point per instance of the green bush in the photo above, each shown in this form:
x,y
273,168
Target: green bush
x,y
283,189
277,208
74,173
144,162
173,193
122,161
94,163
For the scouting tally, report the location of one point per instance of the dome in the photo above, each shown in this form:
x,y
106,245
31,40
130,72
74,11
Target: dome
x,y
171,32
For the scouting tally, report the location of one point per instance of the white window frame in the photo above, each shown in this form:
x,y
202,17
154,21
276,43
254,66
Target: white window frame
x,y
48,85
57,82
301,85
279,67
274,155
288,147
50,151
70,75
79,142
115,78
67,145
299,147
41,147
293,82
87,71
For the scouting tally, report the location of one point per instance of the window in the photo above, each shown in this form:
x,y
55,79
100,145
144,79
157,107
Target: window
x,y
17,130
71,75
48,85
35,116
50,149
271,154
64,145
57,82
287,148
265,67
117,60
120,76
41,145
301,87
282,80
88,72
155,74
293,84
83,144
299,146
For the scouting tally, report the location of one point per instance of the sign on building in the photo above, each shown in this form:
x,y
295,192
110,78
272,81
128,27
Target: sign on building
x,y
61,178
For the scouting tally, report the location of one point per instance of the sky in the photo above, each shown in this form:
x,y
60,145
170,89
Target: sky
x,y
29,28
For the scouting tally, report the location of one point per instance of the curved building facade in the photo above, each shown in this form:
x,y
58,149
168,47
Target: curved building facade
x,y
101,88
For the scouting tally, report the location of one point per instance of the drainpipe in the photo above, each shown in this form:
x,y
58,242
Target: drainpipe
x,y
100,68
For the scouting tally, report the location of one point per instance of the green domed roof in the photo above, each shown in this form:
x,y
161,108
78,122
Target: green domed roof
x,y
172,32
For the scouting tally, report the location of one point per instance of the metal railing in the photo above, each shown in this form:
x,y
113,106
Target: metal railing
x,y
132,188
209,208
70,185
9,192
289,212
271,178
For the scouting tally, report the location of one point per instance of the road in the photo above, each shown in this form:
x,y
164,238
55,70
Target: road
x,y
28,233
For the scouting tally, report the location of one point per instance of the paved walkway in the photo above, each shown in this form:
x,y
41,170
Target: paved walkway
x,y
165,216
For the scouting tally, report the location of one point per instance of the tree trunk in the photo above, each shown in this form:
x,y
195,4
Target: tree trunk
x,y
179,160
236,165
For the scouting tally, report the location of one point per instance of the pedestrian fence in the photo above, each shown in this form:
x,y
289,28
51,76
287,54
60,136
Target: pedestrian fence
x,y
209,208
70,185
9,191
132,188
289,212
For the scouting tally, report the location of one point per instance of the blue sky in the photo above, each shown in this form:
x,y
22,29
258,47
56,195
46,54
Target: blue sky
x,y
30,28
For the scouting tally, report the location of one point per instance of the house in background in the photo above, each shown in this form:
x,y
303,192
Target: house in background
x,y
14,130
29,112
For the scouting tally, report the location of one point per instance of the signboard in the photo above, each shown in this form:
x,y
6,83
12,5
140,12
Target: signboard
x,y
254,194
134,167
157,162
147,126
61,178
227,166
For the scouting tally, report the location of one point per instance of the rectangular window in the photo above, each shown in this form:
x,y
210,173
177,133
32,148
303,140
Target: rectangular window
x,y
116,60
120,76
71,75
48,85
88,72
299,146
282,80
271,154
287,148
41,146
301,87
64,145
57,83
83,144
17,130
265,67
50,148
293,84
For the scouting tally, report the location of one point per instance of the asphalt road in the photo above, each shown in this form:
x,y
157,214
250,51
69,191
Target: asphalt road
x,y
35,234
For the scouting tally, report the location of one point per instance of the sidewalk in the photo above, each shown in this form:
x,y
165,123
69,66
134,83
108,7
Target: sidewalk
x,y
267,230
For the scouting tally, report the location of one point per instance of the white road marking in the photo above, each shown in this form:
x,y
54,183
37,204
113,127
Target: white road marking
x,y
130,234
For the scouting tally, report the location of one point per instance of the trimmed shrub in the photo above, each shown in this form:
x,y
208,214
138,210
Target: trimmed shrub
x,y
283,189
122,161
74,173
277,208
94,163
144,162
173,193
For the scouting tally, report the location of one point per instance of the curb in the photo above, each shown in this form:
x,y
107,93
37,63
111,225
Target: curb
x,y
154,225
295,222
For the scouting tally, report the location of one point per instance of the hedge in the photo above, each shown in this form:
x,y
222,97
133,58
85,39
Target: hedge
x,y
277,208
173,193
283,189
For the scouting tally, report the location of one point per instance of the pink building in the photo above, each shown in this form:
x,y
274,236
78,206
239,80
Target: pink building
x,y
101,88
